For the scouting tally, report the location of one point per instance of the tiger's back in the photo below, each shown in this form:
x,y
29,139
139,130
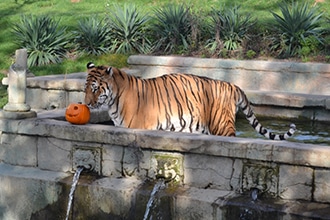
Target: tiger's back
x,y
175,102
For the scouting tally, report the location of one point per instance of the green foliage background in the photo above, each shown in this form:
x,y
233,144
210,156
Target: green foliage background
x,y
69,14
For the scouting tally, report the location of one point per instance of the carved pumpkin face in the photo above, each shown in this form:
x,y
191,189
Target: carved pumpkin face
x,y
77,113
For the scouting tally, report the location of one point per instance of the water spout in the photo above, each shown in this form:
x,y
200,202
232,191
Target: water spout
x,y
73,188
158,186
254,194
87,157
168,167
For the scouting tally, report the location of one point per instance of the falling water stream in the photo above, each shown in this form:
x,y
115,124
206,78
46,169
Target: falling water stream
x,y
73,188
158,186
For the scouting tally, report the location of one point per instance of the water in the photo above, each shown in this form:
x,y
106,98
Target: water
x,y
158,186
254,194
312,132
73,188
250,207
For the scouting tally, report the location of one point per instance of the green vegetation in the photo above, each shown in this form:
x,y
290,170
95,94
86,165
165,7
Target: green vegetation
x,y
231,29
128,30
62,36
296,25
172,27
44,41
91,36
130,33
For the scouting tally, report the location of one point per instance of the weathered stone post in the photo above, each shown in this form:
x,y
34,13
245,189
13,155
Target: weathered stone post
x,y
16,107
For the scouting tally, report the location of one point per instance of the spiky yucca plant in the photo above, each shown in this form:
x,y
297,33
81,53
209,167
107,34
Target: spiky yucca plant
x,y
43,39
128,30
231,27
297,23
92,36
172,28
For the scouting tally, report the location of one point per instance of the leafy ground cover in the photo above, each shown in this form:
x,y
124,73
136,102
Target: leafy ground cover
x,y
70,12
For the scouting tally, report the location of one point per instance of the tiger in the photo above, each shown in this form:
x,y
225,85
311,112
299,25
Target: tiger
x,y
172,102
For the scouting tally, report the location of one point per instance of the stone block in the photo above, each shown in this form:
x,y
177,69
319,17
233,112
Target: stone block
x,y
25,191
18,149
208,171
136,162
322,185
99,116
327,104
56,99
73,84
235,181
112,156
32,127
262,176
54,154
36,98
115,196
168,166
46,99
295,182
196,204
88,157
74,97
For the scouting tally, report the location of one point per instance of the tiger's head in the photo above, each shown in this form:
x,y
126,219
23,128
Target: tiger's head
x,y
98,89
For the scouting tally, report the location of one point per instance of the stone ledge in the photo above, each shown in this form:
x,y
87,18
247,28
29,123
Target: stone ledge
x,y
17,115
229,64
310,78
255,149
287,99
71,82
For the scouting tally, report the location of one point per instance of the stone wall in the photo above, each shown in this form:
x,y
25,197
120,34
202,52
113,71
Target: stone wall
x,y
306,78
55,91
285,170
279,89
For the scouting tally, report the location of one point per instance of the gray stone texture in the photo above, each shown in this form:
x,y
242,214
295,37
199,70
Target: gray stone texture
x,y
18,149
322,185
249,75
295,182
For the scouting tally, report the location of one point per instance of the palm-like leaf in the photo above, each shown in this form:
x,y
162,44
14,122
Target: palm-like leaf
x,y
231,26
43,39
128,27
297,22
172,27
92,36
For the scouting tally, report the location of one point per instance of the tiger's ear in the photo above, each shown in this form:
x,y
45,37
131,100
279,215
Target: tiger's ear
x,y
90,65
109,71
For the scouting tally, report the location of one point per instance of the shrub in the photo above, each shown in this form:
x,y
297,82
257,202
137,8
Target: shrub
x,y
296,24
128,30
92,36
309,46
250,54
172,28
43,39
231,28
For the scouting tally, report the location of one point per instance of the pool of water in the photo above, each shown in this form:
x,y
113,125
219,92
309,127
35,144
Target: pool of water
x,y
308,131
312,132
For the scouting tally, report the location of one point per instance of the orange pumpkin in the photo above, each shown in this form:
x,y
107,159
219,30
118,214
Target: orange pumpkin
x,y
77,113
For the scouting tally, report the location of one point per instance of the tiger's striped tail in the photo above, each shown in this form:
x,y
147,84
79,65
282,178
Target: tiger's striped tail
x,y
253,121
